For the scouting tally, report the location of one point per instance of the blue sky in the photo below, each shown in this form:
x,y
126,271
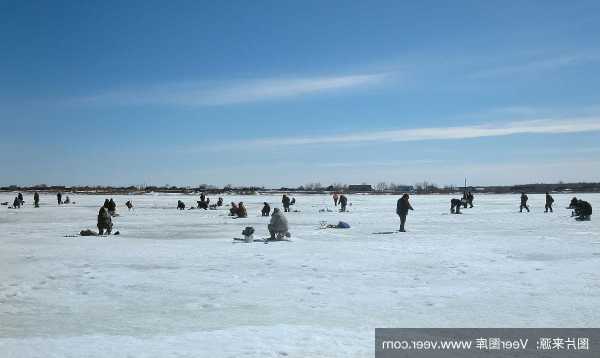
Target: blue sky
x,y
281,93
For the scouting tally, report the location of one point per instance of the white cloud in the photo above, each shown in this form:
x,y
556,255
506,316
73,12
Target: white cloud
x,y
540,126
214,94
537,65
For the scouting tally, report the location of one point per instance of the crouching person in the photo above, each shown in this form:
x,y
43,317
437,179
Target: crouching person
x,y
278,227
104,222
455,205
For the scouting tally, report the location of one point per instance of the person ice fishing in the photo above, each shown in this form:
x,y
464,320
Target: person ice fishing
x,y
573,203
20,196
343,203
549,202
278,226
16,203
523,205
220,202
241,212
455,205
202,197
104,221
335,199
106,204
402,208
180,205
112,207
233,211
67,200
470,198
583,210
129,205
36,199
59,198
266,210
285,201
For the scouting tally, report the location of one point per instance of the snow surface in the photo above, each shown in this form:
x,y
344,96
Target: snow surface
x,y
174,284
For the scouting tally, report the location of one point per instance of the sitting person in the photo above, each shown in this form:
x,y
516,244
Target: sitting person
x,y
104,222
202,204
242,213
67,200
455,205
233,211
266,210
220,202
180,205
278,227
583,211
129,204
573,203
16,203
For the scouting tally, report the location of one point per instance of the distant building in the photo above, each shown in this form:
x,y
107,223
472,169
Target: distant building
x,y
405,188
360,188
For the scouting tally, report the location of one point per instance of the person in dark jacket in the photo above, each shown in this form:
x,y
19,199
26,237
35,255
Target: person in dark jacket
x,y
16,203
549,202
104,221
36,199
20,196
180,205
455,205
266,210
220,202
335,199
343,203
202,197
59,198
573,203
524,199
106,204
129,205
583,211
285,201
112,207
233,211
470,199
402,208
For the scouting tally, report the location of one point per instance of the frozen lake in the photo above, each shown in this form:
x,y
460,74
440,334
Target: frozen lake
x,y
174,284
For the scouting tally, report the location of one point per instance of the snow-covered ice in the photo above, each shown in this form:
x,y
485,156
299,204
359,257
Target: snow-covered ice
x,y
174,284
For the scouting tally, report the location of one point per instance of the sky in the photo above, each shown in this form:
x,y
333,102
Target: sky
x,y
285,93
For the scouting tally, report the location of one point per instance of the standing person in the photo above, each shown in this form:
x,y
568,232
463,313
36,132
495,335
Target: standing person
x,y
202,196
470,198
343,203
36,199
524,199
112,207
402,208
285,201
104,221
59,198
266,210
335,199
549,202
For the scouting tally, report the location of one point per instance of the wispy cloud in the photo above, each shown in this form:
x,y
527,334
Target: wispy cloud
x,y
539,126
231,92
537,65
